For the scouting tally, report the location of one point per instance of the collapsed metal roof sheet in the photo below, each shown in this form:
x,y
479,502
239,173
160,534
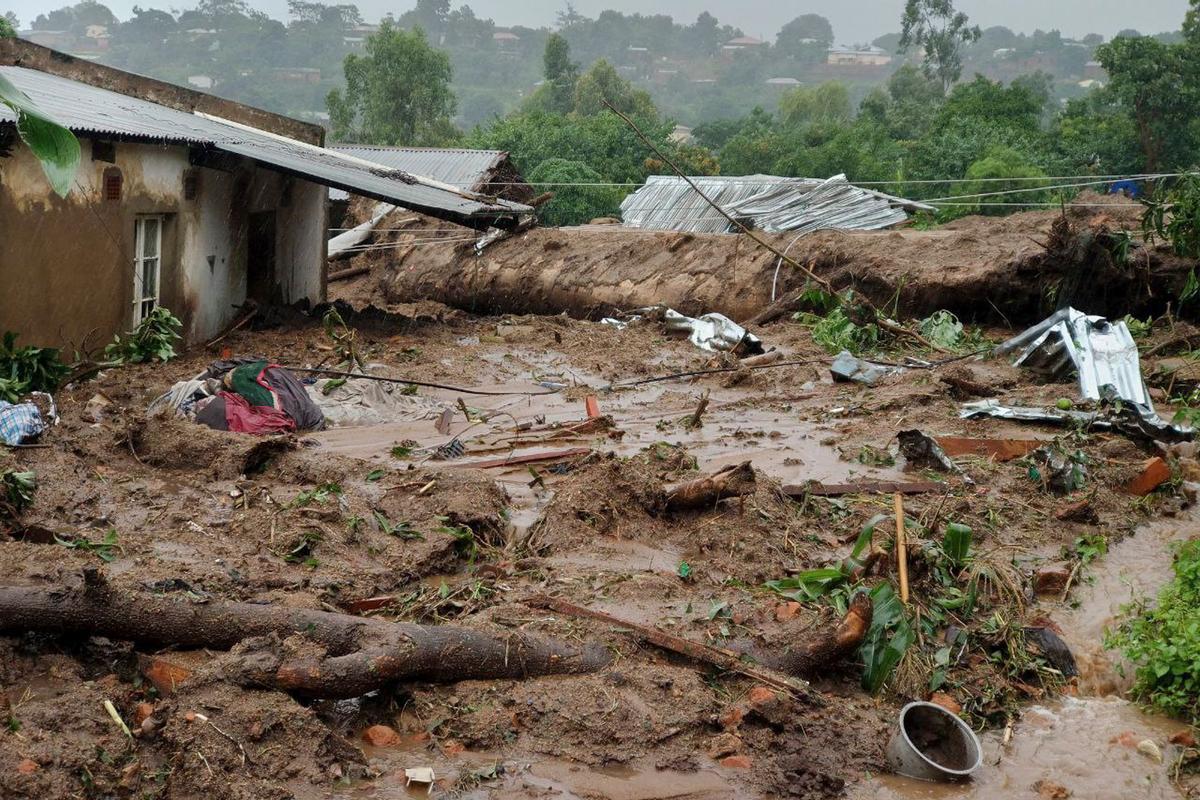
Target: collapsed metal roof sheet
x,y
468,170
668,203
89,109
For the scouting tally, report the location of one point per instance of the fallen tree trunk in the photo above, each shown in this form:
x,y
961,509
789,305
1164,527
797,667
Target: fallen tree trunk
x,y
821,647
732,481
356,655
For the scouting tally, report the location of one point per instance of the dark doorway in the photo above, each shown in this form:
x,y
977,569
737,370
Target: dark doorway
x,y
261,285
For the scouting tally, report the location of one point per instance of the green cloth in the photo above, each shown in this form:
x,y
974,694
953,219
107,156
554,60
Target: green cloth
x,y
244,381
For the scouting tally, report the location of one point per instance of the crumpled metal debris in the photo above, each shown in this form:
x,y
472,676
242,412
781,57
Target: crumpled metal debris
x,y
1127,419
1060,473
1104,356
712,332
846,367
1101,352
922,450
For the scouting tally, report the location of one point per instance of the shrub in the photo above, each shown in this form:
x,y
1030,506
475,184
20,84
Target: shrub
x,y
1164,643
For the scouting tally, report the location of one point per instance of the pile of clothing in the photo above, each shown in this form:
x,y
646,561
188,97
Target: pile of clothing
x,y
22,423
244,395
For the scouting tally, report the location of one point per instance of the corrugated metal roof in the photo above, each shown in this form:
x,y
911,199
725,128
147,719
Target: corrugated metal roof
x,y
668,203
89,109
468,170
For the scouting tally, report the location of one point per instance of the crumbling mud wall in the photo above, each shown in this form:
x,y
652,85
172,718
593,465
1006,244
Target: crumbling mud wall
x,y
1012,269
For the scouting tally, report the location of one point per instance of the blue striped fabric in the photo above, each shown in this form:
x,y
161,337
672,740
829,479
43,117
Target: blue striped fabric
x,y
20,423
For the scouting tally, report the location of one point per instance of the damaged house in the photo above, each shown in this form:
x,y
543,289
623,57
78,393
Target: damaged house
x,y
182,199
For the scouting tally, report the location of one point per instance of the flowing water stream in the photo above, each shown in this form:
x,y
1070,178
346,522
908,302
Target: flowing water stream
x,y
1087,743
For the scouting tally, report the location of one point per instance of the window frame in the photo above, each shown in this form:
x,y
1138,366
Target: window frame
x,y
140,260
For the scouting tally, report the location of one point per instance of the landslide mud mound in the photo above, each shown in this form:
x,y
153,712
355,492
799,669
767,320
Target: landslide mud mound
x,y
1011,269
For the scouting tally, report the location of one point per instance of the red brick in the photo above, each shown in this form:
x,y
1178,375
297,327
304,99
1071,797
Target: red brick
x,y
736,762
761,695
27,766
142,712
381,736
1184,738
732,717
786,611
1154,473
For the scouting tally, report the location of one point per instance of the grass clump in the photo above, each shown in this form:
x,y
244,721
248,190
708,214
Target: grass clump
x,y
1163,643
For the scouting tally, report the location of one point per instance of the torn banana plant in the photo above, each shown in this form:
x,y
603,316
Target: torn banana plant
x,y
55,147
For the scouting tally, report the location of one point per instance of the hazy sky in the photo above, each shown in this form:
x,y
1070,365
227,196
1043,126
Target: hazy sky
x,y
853,20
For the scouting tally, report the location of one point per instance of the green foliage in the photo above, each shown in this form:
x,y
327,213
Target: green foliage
x,y
397,94
814,584
1158,85
55,147
320,494
401,530
1172,215
827,103
28,369
17,490
956,543
888,639
572,204
103,549
601,84
836,331
1164,643
1001,162
7,31
941,32
153,339
805,38
943,329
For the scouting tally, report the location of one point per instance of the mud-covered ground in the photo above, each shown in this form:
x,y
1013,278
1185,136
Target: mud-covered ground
x,y
322,520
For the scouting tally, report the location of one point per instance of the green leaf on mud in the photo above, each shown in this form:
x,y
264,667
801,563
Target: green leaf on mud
x,y
888,638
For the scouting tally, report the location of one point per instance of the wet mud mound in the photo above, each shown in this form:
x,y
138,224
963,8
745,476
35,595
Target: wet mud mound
x,y
982,268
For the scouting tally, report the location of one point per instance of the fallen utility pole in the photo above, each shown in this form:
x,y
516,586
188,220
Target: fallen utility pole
x,y
337,373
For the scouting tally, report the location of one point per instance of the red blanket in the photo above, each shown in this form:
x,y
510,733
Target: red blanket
x,y
241,417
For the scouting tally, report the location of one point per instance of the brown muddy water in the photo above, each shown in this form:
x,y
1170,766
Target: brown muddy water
x,y
1087,744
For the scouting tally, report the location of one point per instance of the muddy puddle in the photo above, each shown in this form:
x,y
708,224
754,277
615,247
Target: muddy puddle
x,y
1087,744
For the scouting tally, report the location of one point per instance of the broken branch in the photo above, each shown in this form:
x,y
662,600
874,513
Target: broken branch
x,y
731,481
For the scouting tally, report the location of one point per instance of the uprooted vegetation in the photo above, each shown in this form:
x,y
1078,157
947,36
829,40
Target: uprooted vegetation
x,y
501,618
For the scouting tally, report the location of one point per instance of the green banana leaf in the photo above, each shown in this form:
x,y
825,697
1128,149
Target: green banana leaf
x,y
53,145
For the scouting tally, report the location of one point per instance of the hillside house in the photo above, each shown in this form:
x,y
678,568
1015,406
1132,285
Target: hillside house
x,y
182,199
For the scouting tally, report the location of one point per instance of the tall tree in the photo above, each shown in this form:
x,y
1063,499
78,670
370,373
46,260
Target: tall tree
x,y
939,30
602,83
804,37
560,73
1158,84
397,94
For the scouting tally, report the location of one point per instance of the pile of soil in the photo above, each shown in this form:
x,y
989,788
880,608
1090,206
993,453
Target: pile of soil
x,y
164,506
1011,270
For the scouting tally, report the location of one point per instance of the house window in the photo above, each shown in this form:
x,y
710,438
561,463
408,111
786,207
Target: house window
x,y
147,266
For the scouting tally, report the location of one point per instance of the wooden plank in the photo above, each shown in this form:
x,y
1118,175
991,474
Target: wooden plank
x,y
862,487
999,449
530,458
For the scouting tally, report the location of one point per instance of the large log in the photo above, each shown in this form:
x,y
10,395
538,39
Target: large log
x,y
355,654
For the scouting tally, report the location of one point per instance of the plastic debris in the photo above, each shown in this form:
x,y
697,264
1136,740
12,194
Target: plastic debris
x,y
922,450
846,368
1060,473
422,776
711,332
